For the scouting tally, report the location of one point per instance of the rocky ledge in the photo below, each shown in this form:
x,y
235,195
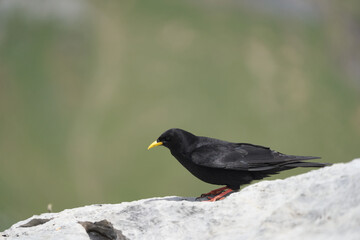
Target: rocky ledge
x,y
321,204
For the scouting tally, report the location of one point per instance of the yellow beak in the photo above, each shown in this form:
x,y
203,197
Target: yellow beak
x,y
154,144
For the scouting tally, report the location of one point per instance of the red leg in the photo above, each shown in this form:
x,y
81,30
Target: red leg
x,y
220,196
214,192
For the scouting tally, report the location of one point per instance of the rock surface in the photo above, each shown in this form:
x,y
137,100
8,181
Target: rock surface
x,y
321,204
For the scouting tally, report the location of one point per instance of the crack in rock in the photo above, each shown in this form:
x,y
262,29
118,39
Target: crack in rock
x,y
35,222
102,230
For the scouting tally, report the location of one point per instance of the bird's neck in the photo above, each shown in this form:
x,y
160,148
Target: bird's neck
x,y
187,144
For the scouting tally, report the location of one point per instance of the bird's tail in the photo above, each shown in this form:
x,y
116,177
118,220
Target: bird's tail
x,y
307,164
298,161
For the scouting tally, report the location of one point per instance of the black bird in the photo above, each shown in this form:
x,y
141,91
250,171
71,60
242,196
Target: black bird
x,y
225,163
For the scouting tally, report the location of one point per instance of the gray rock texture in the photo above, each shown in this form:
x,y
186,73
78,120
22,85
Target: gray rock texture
x,y
321,204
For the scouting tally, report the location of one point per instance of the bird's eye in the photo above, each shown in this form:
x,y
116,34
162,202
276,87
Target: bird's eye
x,y
167,139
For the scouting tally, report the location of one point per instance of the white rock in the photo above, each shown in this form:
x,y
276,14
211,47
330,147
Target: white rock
x,y
321,204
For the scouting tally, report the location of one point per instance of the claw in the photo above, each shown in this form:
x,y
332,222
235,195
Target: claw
x,y
220,196
214,192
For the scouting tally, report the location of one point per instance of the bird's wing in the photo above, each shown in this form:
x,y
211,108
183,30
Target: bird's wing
x,y
239,156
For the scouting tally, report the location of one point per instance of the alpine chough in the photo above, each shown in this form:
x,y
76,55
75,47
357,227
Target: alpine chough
x,y
226,163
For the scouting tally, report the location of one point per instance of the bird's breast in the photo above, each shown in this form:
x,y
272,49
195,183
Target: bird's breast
x,y
184,159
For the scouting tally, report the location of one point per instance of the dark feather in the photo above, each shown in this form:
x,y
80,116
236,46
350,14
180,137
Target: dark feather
x,y
244,156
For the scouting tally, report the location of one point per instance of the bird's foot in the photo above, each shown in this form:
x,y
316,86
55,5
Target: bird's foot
x,y
215,195
214,192
220,196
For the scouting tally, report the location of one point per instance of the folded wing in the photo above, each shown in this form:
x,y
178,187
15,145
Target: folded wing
x,y
247,157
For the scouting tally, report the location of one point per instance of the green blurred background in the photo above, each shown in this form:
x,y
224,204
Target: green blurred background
x,y
86,86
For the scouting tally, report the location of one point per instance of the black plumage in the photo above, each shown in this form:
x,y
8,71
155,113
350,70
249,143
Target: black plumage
x,y
225,163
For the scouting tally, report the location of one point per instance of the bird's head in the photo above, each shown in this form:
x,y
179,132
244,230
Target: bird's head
x,y
174,139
